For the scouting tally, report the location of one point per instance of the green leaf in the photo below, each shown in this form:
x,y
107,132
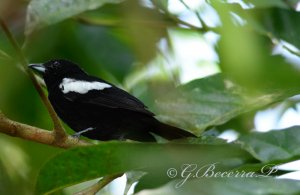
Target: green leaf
x,y
274,22
268,3
283,24
201,140
86,163
208,102
277,145
230,186
41,13
154,180
109,15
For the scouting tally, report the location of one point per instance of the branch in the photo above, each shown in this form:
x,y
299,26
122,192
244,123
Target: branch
x,y
99,185
59,132
204,26
202,29
42,136
35,134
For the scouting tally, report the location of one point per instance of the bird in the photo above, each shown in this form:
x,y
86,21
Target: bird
x,y
97,109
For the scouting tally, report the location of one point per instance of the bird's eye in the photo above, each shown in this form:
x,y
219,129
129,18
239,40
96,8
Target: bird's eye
x,y
56,63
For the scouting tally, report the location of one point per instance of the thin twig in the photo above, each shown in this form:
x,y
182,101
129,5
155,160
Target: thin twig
x,y
202,29
99,185
179,21
276,41
174,18
204,26
296,53
59,131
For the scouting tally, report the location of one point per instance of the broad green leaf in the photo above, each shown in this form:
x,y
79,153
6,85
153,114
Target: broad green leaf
x,y
271,148
276,145
229,186
105,16
268,3
208,102
41,13
86,163
154,180
274,22
201,140
281,23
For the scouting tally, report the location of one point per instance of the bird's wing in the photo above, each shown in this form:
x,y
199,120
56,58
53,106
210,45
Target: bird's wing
x,y
112,97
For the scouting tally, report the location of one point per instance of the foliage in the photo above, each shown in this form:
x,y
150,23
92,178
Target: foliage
x,y
133,44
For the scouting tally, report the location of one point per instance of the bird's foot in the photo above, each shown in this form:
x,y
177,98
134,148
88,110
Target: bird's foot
x,y
78,134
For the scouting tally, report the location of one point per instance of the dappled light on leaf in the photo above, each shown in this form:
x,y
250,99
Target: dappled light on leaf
x,y
41,13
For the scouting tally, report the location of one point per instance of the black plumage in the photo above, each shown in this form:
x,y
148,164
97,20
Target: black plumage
x,y
98,109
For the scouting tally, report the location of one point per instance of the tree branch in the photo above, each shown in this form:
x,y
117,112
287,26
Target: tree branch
x,y
59,132
204,26
35,134
42,136
202,29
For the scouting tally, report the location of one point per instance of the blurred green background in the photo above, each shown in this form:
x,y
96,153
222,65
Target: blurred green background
x,y
148,48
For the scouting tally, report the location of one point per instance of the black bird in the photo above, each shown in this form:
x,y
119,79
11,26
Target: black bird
x,y
97,109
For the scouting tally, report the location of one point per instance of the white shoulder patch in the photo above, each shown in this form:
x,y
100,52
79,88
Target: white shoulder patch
x,y
79,86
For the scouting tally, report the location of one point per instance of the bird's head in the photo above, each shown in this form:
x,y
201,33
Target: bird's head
x,y
55,70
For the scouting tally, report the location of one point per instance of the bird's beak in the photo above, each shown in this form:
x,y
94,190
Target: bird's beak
x,y
40,68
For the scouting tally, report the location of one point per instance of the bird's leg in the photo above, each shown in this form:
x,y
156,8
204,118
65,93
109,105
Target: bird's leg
x,y
78,134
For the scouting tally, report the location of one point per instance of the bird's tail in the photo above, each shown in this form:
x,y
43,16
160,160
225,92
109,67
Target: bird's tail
x,y
170,132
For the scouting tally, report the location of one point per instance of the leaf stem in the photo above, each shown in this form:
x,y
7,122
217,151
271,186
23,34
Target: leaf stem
x,y
99,185
59,132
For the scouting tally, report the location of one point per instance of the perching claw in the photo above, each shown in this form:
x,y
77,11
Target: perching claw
x,y
78,134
